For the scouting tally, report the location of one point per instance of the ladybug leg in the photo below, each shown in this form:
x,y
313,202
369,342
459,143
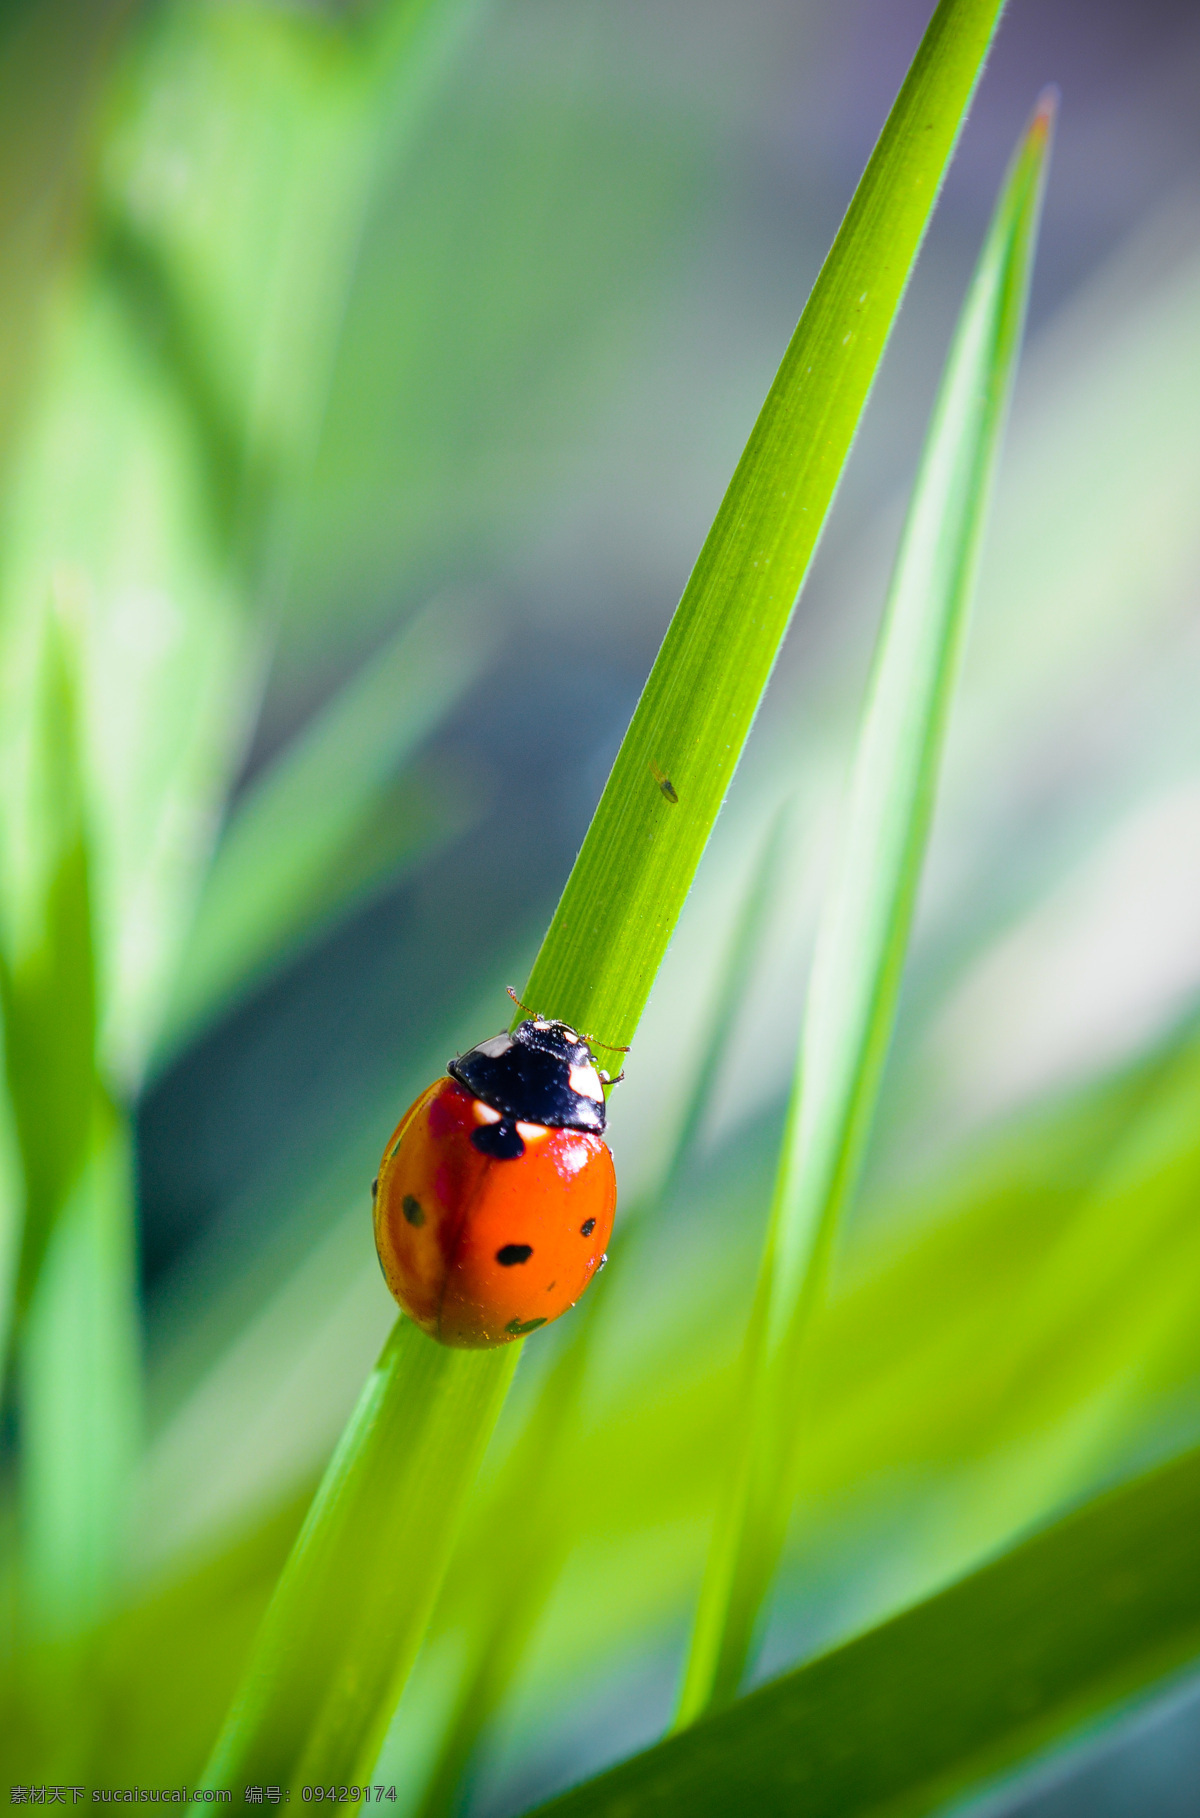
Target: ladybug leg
x,y
606,1079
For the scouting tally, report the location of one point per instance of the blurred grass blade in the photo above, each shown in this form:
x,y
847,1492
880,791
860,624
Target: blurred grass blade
x,y
76,1332
281,865
205,336
352,1604
744,946
625,892
964,1686
12,1216
80,1397
864,930
47,969
350,1613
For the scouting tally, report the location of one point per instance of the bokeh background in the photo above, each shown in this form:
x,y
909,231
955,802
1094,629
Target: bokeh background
x,y
580,254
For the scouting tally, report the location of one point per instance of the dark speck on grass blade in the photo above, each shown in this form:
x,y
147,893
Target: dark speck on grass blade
x,y
664,782
628,885
353,1602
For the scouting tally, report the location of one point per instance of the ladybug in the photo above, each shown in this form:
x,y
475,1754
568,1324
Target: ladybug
x,y
495,1197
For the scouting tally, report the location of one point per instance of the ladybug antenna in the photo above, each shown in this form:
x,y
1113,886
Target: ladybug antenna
x,y
516,1000
593,1041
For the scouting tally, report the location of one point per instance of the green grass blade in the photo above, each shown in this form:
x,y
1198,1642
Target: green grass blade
x,y
352,1604
281,866
76,1327
745,942
47,970
514,1549
625,892
524,1555
343,1616
12,1215
80,1397
864,930
962,1687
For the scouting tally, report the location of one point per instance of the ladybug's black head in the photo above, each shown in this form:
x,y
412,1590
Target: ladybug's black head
x,y
543,1073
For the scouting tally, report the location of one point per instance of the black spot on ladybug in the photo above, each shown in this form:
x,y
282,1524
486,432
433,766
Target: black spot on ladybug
x,y
508,1254
519,1327
587,1227
375,1187
413,1210
502,1141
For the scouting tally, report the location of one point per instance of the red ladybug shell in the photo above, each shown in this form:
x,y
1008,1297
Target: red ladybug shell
x,y
478,1250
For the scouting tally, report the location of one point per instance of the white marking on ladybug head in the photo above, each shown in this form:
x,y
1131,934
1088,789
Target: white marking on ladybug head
x,y
586,1082
532,1133
498,1045
485,1114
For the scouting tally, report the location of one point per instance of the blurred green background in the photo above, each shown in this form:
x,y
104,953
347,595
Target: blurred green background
x,y
368,379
